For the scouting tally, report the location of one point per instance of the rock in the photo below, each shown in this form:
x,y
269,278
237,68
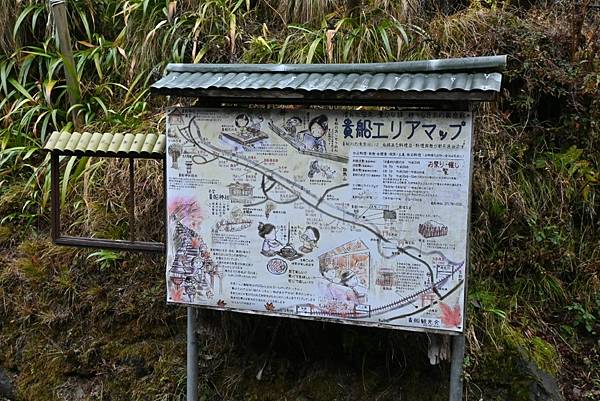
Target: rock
x,y
6,388
73,389
139,365
543,386
78,393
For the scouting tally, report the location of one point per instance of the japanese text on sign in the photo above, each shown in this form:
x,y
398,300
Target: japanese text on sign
x,y
357,216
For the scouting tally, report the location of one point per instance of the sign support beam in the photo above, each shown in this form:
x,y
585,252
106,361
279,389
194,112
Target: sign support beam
x,y
59,11
192,356
456,367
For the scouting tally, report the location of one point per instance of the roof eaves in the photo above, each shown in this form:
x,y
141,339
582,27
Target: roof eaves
x,y
467,64
106,144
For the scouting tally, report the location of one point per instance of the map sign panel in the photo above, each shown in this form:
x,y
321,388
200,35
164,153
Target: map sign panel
x,y
353,216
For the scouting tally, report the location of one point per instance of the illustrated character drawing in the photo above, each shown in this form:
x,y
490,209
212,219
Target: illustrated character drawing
x,y
172,133
202,281
291,126
247,133
270,245
344,287
189,288
356,293
242,121
201,276
313,137
309,239
316,168
333,289
329,272
256,123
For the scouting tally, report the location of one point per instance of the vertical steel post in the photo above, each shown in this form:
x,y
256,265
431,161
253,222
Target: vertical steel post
x,y
131,205
458,342
55,194
59,10
192,356
456,367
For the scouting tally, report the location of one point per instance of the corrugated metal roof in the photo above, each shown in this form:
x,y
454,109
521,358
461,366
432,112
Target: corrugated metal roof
x,y
332,82
87,143
419,78
466,64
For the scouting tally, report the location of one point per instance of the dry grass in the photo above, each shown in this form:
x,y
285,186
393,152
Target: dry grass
x,y
7,21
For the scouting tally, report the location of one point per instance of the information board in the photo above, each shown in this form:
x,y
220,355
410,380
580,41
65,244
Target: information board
x,y
353,216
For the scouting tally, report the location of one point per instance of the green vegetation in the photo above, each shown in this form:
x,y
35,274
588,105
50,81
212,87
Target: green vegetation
x,y
93,325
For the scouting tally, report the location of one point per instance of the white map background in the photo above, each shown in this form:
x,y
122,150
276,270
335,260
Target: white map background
x,y
353,216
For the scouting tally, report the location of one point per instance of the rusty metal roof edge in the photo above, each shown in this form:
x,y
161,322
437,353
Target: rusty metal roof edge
x,y
466,64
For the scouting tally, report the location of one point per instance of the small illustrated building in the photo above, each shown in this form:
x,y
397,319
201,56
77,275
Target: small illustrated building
x,y
185,251
246,137
432,228
353,256
240,190
386,278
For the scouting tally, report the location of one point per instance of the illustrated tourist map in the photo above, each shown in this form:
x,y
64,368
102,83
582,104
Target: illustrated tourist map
x,y
351,216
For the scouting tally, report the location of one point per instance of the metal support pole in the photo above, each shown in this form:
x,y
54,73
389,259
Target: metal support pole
x,y
55,194
456,367
458,342
192,356
59,10
131,205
